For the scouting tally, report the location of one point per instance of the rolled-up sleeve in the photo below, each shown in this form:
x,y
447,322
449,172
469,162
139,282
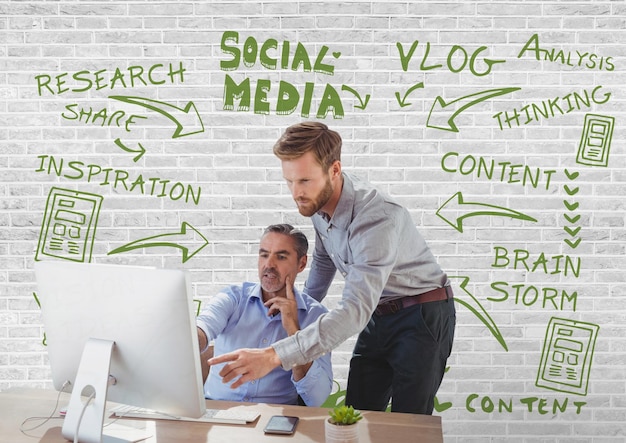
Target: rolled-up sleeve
x,y
316,385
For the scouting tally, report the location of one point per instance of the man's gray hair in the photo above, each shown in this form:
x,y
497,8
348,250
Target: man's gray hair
x,y
302,243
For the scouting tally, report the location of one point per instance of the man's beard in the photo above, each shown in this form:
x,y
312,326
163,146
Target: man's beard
x,y
271,280
314,206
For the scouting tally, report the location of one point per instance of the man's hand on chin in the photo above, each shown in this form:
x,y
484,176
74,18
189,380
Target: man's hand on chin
x,y
245,365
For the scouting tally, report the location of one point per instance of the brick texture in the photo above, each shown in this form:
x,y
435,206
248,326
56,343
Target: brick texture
x,y
496,107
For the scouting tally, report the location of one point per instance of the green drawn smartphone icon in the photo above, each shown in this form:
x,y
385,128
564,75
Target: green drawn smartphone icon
x,y
595,142
69,225
567,354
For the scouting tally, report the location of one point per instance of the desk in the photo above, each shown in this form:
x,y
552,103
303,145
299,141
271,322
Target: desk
x,y
18,404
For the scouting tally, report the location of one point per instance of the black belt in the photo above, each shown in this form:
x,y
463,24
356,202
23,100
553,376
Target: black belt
x,y
393,306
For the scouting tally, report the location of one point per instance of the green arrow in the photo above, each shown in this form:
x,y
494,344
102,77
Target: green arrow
x,y
442,114
572,219
571,175
187,119
140,152
572,232
468,300
573,244
402,101
571,206
455,210
363,104
571,191
187,239
440,407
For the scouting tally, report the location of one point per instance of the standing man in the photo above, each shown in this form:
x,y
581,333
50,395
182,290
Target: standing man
x,y
259,314
395,294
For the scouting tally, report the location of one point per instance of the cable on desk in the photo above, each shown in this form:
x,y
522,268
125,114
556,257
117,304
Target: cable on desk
x,y
44,420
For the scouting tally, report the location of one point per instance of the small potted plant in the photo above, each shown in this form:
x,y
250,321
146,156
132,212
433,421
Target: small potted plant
x,y
341,426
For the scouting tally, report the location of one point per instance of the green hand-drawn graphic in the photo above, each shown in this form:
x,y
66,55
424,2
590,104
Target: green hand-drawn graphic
x,y
551,108
140,151
288,98
567,355
571,175
572,231
272,55
457,60
102,117
69,225
441,407
131,76
442,113
571,217
595,141
363,103
189,240
497,170
467,299
243,96
119,179
187,119
580,59
455,210
402,101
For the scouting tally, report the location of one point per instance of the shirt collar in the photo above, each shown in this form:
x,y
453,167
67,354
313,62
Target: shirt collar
x,y
256,293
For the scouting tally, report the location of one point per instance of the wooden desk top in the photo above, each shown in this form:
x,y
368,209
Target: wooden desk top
x,y
17,405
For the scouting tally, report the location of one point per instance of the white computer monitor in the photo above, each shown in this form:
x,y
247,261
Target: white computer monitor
x,y
120,333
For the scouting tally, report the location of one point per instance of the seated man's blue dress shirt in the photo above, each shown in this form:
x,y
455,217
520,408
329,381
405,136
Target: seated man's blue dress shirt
x,y
237,318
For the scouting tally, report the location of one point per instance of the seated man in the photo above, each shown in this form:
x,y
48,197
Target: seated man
x,y
254,315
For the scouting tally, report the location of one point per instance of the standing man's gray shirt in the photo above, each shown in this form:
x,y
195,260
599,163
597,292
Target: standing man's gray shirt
x,y
386,257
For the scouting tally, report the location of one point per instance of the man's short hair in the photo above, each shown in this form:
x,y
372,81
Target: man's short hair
x,y
301,242
303,137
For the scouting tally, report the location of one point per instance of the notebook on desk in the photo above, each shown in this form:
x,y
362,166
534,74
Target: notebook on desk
x,y
223,416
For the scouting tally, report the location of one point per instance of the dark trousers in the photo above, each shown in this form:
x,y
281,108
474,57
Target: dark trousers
x,y
402,357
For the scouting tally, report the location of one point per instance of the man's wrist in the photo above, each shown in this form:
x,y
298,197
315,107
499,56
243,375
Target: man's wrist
x,y
291,330
274,358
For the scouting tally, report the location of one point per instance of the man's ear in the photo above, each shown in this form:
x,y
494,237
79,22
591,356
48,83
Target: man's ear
x,y
335,169
302,263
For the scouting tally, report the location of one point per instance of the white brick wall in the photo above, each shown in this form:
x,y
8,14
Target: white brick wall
x,y
489,393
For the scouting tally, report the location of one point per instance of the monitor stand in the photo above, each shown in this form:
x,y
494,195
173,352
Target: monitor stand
x,y
84,419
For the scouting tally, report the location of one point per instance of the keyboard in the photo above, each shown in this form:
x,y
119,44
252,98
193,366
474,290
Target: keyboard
x,y
223,416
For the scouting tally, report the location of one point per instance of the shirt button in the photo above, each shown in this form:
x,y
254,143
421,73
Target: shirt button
x,y
265,340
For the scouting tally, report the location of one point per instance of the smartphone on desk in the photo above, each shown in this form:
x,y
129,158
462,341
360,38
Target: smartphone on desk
x,y
281,424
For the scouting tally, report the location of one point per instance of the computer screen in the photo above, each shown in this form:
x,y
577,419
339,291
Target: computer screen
x,y
127,327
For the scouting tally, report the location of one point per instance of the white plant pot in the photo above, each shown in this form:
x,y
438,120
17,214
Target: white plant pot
x,y
341,433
